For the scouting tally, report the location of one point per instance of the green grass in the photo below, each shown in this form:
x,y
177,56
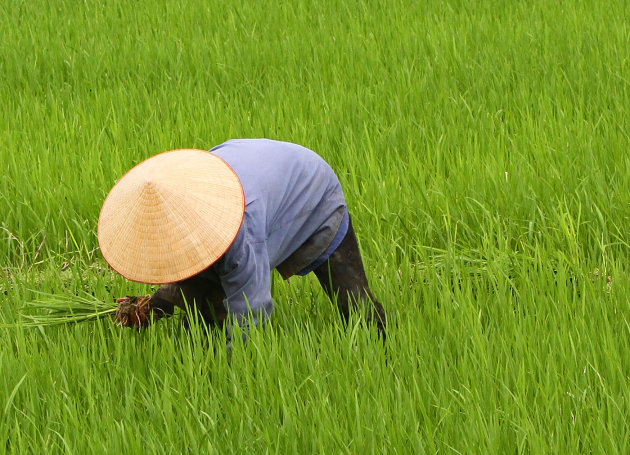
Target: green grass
x,y
483,148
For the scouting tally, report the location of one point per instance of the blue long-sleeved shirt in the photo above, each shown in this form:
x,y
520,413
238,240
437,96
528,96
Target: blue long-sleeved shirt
x,y
291,194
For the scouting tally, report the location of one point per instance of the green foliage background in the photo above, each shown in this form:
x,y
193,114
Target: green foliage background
x,y
483,148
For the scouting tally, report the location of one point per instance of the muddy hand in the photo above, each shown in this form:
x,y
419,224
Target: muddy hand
x,y
134,311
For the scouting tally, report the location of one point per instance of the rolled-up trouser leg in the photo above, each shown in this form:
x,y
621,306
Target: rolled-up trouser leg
x,y
342,276
201,294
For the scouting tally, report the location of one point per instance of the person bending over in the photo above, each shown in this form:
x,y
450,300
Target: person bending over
x,y
210,227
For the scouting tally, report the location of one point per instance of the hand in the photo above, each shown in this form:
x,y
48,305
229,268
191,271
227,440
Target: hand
x,y
134,311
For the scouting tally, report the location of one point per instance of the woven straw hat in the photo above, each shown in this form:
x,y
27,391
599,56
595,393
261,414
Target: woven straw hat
x,y
171,216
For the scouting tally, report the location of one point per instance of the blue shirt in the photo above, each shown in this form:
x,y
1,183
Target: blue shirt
x,y
291,194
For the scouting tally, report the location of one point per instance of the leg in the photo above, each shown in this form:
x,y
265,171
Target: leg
x,y
343,276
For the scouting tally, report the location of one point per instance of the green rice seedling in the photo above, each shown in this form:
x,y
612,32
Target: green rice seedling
x,y
55,309
482,148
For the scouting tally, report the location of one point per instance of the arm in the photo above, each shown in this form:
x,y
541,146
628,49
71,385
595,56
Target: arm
x,y
199,290
166,298
247,286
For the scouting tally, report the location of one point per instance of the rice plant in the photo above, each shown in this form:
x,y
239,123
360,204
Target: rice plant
x,y
482,148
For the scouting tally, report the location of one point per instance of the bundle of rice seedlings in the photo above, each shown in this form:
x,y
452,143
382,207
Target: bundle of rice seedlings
x,y
54,309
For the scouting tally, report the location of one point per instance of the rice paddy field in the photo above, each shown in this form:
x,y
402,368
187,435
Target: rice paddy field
x,y
483,148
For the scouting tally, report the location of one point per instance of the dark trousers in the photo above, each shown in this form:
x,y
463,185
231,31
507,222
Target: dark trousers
x,y
342,276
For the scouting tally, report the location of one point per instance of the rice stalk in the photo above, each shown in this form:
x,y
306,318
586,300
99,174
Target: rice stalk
x,y
53,310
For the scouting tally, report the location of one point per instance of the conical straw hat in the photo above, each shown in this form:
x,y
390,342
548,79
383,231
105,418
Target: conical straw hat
x,y
171,216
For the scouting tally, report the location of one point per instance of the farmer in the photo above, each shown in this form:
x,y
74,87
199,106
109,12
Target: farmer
x,y
211,226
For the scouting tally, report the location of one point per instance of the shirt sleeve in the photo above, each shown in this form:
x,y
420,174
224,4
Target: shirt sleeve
x,y
245,279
